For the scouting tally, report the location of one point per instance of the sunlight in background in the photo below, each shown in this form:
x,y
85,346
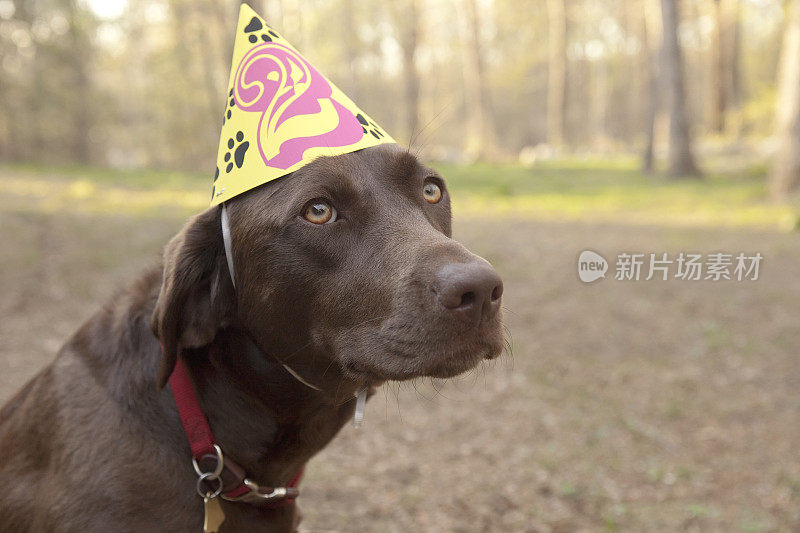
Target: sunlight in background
x,y
6,9
108,9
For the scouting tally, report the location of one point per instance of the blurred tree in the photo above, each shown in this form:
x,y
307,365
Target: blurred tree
x,y
145,87
718,103
406,19
632,57
652,50
47,87
681,158
556,71
732,73
294,18
785,175
352,47
271,10
79,58
725,68
480,141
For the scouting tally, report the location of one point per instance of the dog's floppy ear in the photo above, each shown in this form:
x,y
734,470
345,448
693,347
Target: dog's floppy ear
x,y
197,296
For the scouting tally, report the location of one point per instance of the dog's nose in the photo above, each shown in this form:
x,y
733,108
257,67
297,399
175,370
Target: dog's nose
x,y
471,291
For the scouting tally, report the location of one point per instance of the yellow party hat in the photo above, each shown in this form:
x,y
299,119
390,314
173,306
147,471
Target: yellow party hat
x,y
281,113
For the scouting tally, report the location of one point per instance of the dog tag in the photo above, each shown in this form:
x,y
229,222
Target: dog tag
x,y
214,516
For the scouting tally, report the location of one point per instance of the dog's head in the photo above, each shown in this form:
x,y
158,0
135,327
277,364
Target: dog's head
x,y
349,261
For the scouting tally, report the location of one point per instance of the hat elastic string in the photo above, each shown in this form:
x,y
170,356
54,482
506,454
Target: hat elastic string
x,y
226,241
361,394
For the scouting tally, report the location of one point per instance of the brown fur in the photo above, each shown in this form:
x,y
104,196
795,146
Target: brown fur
x,y
92,444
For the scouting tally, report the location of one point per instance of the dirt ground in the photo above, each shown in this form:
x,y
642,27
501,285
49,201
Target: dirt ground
x,y
625,406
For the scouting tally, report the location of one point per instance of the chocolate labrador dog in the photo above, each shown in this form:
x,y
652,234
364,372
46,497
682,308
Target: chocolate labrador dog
x,y
345,277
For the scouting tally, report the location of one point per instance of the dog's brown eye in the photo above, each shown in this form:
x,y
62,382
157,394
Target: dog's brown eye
x,y
432,192
320,212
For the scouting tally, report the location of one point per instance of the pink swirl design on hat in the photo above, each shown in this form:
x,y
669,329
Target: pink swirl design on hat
x,y
274,80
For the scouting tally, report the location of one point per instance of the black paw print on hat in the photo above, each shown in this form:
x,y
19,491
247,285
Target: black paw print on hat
x,y
254,27
370,127
214,185
238,153
229,108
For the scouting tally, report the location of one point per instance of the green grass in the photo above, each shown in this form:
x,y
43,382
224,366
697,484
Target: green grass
x,y
592,190
127,178
616,191
92,190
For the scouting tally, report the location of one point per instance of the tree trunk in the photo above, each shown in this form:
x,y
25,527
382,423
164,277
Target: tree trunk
x,y
81,59
27,142
732,80
681,158
726,87
480,137
785,176
203,15
718,60
271,12
352,49
292,15
407,22
598,102
556,71
651,39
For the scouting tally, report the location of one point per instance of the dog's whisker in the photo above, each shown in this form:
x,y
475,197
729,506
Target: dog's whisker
x,y
397,401
416,390
338,387
422,382
431,121
437,389
330,364
385,403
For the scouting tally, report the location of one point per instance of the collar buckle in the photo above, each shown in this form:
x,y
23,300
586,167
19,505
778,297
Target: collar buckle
x,y
210,476
257,494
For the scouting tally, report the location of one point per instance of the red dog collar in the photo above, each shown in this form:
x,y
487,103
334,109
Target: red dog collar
x,y
218,475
